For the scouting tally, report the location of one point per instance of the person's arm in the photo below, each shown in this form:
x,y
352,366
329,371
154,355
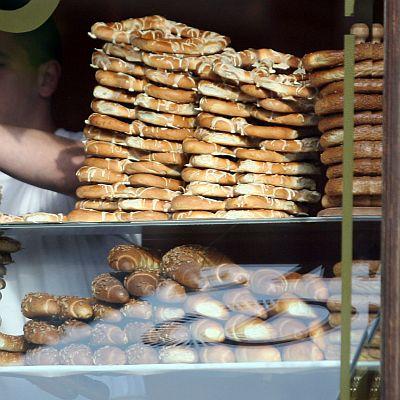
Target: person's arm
x,y
40,158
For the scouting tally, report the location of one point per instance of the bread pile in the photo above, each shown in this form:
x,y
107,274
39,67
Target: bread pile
x,y
145,106
254,149
33,218
10,347
327,74
366,292
193,304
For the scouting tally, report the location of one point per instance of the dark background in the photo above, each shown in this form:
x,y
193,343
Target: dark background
x,y
293,26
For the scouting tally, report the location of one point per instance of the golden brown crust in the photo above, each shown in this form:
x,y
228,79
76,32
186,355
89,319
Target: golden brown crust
x,y
286,106
166,120
298,119
120,80
291,182
360,118
334,103
208,175
193,215
111,94
144,205
152,167
335,137
99,175
166,158
360,86
268,155
175,95
172,79
211,162
209,189
165,106
196,203
293,168
362,149
148,180
358,201
194,146
108,63
362,185
306,145
363,166
224,107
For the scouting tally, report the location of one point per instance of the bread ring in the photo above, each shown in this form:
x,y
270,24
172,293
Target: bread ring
x,y
99,205
106,163
190,46
120,96
241,126
223,139
251,214
211,162
93,133
166,120
148,180
358,201
305,145
360,118
209,189
196,203
176,95
99,175
266,155
223,91
286,106
362,185
114,109
291,182
232,73
193,215
107,63
222,107
258,189
104,149
331,58
109,123
255,91
362,167
120,191
250,202
118,216
284,119
334,103
363,69
166,158
170,62
334,155
153,145
124,51
172,79
165,106
208,175
361,132
193,146
160,133
144,205
294,168
360,86
120,81
152,167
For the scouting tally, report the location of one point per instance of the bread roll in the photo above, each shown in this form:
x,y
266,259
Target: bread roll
x,y
242,301
205,306
40,332
217,354
169,291
137,309
130,258
163,314
190,264
141,354
11,359
8,245
109,289
135,331
169,333
13,344
178,354
257,354
295,307
305,351
42,356
75,307
107,334
242,328
109,355
104,312
207,330
76,354
360,268
268,282
141,284
40,305
73,331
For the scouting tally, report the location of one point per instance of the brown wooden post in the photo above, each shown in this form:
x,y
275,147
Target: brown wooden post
x,y
391,225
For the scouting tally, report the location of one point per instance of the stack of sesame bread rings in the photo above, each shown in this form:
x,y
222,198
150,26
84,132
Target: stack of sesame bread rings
x,y
255,147
145,104
327,74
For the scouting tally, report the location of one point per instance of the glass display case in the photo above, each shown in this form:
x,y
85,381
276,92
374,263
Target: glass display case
x,y
207,289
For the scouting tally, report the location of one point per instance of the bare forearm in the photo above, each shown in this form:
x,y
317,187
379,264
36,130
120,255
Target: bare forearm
x,y
40,158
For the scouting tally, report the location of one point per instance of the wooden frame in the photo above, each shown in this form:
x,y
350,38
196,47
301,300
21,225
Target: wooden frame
x,y
391,223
